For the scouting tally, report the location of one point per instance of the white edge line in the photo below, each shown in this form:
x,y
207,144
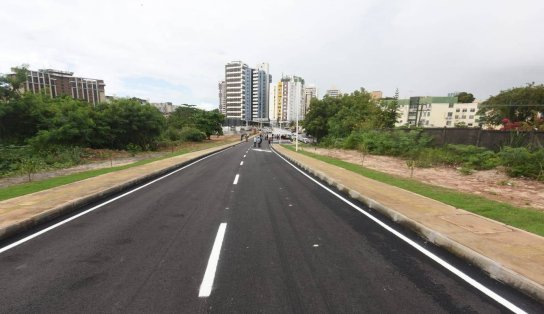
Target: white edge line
x,y
58,224
236,179
244,156
241,163
209,275
509,305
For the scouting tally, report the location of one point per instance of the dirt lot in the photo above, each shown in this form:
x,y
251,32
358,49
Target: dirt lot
x,y
492,184
119,158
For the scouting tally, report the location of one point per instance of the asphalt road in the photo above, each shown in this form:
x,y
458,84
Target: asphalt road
x,y
286,246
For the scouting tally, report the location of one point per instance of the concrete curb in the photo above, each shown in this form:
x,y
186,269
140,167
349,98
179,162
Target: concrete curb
x,y
75,204
491,267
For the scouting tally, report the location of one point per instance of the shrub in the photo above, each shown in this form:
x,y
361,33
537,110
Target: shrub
x,y
192,135
522,162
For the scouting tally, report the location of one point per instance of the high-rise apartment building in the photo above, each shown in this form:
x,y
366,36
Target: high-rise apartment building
x,y
246,92
309,93
223,97
260,83
62,83
289,99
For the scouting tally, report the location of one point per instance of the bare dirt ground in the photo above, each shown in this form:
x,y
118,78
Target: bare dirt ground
x,y
492,184
120,158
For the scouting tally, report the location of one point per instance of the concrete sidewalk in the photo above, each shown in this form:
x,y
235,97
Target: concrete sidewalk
x,y
510,255
22,213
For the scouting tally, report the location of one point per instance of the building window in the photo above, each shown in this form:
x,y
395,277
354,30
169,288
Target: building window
x,y
457,110
448,122
465,110
456,116
470,124
450,106
472,110
450,114
463,117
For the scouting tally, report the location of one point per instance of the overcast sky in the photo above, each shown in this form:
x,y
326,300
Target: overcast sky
x,y
176,50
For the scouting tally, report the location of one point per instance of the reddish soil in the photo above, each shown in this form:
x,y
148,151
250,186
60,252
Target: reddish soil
x,y
492,184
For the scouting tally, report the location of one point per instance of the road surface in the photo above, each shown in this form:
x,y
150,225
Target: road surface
x,y
241,231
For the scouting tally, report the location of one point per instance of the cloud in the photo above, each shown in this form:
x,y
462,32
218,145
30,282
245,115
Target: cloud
x,y
423,47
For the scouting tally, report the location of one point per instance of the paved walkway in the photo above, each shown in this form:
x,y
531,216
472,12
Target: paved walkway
x,y
508,254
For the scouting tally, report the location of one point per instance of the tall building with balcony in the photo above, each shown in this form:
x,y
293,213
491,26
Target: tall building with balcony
x,y
246,92
238,91
57,83
289,99
260,92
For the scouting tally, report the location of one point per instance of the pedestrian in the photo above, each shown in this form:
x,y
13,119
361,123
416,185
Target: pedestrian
x,y
241,137
269,139
255,141
246,137
259,140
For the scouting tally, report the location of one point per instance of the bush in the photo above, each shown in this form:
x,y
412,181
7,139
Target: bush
x,y
523,162
391,143
192,135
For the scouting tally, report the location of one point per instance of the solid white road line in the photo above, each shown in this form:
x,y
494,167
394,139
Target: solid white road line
x,y
209,275
236,179
244,156
241,163
418,247
58,224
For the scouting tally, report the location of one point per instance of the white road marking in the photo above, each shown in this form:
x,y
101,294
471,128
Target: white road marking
x,y
418,247
236,179
241,163
244,156
58,224
262,150
209,275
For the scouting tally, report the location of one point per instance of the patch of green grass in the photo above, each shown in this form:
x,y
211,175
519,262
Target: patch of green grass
x,y
32,187
524,218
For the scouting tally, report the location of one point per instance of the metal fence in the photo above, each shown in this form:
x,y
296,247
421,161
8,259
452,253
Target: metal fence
x,y
490,139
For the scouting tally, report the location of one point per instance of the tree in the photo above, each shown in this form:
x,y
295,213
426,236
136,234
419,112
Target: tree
x,y
464,97
125,121
209,122
22,116
316,119
518,104
11,84
389,112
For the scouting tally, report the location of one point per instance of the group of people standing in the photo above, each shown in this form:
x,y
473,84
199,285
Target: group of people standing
x,y
257,140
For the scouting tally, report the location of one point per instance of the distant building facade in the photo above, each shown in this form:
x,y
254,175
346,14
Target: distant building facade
x,y
333,92
165,108
57,83
260,91
310,92
437,112
223,97
376,95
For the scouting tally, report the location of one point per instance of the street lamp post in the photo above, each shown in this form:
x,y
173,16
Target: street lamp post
x,y
296,128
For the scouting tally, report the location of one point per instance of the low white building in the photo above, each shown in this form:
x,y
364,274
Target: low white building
x,y
437,112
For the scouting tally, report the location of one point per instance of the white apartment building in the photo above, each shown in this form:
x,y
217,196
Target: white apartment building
x,y
238,91
165,108
437,112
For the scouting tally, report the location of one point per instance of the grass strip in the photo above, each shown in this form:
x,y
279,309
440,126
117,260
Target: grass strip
x,y
32,187
528,219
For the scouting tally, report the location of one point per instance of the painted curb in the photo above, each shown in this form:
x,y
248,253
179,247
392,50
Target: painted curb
x,y
494,269
75,204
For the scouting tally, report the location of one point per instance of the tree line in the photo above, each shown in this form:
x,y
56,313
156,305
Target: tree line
x,y
42,121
